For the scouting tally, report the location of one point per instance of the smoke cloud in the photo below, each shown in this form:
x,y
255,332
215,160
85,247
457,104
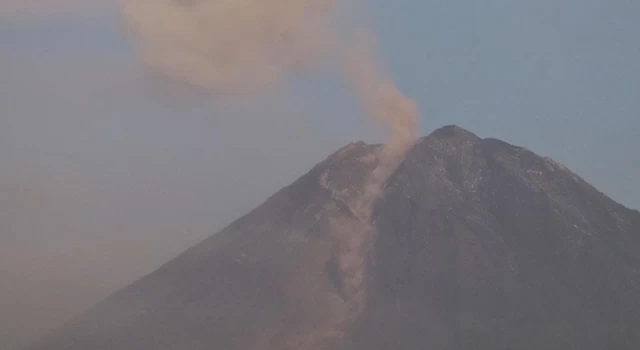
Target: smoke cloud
x,y
231,47
244,47
384,101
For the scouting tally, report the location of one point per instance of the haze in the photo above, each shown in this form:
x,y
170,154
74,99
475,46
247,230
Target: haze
x,y
106,174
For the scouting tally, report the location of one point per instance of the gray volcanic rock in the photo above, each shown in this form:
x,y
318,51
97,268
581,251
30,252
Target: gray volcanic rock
x,y
475,244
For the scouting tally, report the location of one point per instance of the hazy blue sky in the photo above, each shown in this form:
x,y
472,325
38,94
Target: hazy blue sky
x,y
93,152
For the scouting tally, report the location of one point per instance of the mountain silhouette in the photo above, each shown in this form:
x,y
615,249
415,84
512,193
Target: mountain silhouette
x,y
473,244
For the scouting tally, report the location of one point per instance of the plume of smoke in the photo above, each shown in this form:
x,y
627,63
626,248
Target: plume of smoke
x,y
387,104
237,47
247,46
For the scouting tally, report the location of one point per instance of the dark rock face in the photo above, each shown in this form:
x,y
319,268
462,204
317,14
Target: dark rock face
x,y
476,244
483,245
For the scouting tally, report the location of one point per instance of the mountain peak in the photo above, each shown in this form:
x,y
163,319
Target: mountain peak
x,y
447,139
452,131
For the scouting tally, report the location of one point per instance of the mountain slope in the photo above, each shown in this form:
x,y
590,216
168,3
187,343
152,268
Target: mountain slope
x,y
475,243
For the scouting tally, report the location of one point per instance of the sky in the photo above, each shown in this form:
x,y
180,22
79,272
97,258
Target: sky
x,y
107,173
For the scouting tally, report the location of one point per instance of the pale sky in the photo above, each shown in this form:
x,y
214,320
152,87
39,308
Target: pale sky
x,y
71,9
105,170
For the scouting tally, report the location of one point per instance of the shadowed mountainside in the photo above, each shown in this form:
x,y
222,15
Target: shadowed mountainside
x,y
475,244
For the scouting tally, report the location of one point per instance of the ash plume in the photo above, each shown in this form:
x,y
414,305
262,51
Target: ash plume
x,y
246,47
230,47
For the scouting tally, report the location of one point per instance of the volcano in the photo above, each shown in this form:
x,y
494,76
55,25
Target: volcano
x,y
473,244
